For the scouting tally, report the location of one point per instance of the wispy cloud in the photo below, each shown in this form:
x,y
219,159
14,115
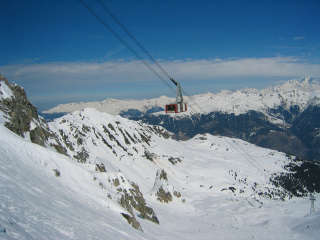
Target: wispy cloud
x,y
248,67
66,78
128,71
298,38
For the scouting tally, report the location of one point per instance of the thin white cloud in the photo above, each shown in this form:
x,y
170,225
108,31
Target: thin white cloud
x,y
298,38
128,71
57,82
248,67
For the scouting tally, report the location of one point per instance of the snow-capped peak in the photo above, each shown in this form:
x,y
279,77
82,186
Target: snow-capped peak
x,y
292,92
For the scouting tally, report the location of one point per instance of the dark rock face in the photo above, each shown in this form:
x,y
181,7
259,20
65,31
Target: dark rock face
x,y
302,177
163,196
162,190
19,109
21,113
133,200
22,117
100,167
132,221
307,128
39,135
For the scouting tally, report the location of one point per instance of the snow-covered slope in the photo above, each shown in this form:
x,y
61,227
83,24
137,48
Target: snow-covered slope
x,y
139,150
45,195
38,203
116,173
290,93
202,188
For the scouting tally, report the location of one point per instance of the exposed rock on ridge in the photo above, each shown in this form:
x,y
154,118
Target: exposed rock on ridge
x,y
21,117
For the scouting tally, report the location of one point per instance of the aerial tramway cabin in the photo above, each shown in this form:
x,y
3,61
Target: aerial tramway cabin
x,y
176,108
179,106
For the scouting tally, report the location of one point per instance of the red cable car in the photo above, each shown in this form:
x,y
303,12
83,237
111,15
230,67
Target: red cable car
x,y
179,106
176,108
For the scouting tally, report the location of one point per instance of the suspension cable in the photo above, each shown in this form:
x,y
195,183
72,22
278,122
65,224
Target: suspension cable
x,y
115,34
125,29
126,44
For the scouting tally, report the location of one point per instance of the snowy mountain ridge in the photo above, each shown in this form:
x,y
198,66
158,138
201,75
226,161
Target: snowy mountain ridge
x,y
132,180
89,136
207,186
290,93
49,196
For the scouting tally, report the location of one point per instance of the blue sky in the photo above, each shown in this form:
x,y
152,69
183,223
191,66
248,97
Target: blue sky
x,y
60,53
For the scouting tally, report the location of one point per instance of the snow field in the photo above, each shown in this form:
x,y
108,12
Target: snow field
x,y
37,204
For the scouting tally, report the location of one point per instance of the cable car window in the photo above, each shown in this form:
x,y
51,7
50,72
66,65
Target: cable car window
x,y
171,107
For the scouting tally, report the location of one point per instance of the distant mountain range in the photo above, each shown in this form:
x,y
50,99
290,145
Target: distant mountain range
x,y
283,117
291,93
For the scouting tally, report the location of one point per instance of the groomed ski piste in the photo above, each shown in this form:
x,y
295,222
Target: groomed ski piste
x,y
46,195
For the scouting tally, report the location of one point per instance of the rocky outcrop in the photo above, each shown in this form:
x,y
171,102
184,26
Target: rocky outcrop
x,y
22,117
130,198
162,190
19,110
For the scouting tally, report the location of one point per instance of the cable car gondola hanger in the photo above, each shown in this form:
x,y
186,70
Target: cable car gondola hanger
x,y
177,107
